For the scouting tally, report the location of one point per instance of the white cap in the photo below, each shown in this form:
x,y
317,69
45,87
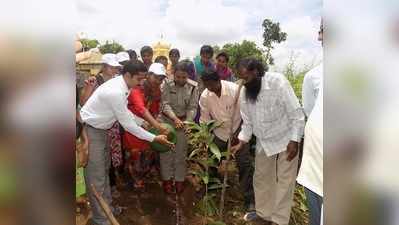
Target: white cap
x,y
122,56
158,69
110,59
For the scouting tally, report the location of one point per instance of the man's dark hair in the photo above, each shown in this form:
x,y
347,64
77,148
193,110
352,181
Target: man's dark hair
x,y
210,75
251,63
252,88
146,49
184,66
255,64
174,51
242,63
132,54
159,58
134,67
223,54
206,49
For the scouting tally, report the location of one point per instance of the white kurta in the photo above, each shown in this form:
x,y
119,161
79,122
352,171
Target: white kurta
x,y
311,171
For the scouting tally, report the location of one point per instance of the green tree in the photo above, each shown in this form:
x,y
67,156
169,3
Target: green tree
x,y
216,49
272,34
89,43
238,51
111,47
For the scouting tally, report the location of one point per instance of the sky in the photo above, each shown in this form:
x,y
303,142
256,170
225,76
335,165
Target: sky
x,y
188,24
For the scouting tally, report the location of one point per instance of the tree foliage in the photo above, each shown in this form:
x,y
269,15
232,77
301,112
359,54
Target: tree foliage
x,y
89,43
238,51
295,73
272,34
111,47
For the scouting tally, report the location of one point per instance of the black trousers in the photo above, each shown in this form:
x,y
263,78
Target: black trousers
x,y
245,164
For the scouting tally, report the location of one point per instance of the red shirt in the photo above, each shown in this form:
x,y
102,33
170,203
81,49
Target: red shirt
x,y
140,100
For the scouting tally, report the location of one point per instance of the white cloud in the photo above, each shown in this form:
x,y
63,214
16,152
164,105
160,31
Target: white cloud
x,y
195,23
188,24
301,41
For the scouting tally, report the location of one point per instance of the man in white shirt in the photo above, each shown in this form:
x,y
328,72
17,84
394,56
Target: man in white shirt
x,y
105,106
311,172
310,175
218,102
312,82
271,111
311,87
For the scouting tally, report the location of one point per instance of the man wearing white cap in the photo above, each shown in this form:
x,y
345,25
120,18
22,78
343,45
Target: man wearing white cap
x,y
108,71
122,57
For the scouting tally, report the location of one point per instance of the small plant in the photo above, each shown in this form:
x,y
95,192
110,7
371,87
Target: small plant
x,y
204,155
299,214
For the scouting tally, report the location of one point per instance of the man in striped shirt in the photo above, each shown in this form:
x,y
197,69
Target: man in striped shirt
x,y
271,111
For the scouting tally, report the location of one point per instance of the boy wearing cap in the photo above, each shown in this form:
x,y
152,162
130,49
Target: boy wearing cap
x,y
179,104
144,101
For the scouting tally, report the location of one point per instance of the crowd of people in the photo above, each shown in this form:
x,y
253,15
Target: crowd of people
x,y
117,108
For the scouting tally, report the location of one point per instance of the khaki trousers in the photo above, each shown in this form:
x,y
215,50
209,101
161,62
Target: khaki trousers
x,y
274,184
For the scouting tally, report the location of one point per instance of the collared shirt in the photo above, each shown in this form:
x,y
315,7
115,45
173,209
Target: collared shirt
x,y
312,82
108,104
221,109
182,101
275,118
311,172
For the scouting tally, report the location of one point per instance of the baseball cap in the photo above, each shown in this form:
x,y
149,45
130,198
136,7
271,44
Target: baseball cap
x,y
110,59
122,56
157,69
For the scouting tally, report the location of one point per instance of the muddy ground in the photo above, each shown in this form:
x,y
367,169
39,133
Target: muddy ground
x,y
153,207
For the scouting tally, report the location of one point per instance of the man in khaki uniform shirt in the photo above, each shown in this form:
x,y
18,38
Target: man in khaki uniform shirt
x,y
179,104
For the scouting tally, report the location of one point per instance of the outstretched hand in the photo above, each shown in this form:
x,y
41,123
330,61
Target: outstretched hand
x,y
179,124
163,139
163,130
